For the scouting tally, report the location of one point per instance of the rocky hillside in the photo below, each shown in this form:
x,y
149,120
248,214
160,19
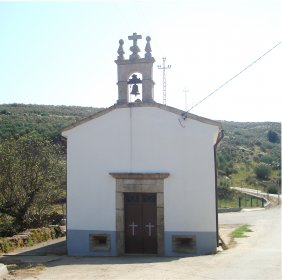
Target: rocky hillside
x,y
250,155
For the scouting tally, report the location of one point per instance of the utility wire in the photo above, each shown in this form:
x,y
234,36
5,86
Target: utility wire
x,y
185,114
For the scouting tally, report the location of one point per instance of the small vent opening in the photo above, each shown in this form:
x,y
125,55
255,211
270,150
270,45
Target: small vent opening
x,y
184,244
100,242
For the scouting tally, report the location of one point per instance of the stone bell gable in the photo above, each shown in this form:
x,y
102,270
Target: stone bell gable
x,y
126,67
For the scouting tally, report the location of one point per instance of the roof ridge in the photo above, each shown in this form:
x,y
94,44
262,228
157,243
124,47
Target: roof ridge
x,y
140,105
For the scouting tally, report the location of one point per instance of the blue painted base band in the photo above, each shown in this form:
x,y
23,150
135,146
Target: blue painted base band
x,y
78,243
206,243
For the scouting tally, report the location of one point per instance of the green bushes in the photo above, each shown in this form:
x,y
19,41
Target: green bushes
x,y
266,159
272,136
47,121
5,246
226,193
29,238
273,189
225,163
263,171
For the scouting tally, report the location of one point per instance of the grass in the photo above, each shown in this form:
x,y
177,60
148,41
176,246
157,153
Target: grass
x,y
240,231
13,267
246,202
24,269
224,203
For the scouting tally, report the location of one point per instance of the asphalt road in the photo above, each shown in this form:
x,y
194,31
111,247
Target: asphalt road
x,y
258,256
255,257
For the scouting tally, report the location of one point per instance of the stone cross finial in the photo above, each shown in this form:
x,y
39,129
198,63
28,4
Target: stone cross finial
x,y
120,50
135,49
148,49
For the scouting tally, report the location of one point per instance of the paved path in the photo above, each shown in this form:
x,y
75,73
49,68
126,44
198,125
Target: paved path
x,y
276,197
255,257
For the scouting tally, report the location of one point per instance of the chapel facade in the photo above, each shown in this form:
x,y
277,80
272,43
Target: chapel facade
x,y
141,176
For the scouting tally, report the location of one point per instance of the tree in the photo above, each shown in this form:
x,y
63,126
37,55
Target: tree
x,y
263,171
272,136
32,173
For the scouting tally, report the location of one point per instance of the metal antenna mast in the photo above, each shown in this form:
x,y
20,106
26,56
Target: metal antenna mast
x,y
185,92
164,67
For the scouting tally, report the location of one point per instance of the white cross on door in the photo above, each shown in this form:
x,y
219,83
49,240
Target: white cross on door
x,y
150,226
133,226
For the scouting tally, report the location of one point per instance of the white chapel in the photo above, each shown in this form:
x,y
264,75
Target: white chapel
x,y
141,176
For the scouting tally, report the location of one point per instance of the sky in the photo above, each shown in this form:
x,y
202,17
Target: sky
x,y
63,53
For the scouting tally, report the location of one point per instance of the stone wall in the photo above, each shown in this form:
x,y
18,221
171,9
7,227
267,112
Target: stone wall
x,y
30,238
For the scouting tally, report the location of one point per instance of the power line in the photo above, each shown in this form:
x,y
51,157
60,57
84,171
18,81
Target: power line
x,y
185,114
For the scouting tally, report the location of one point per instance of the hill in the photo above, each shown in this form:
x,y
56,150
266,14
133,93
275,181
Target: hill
x,y
245,148
47,120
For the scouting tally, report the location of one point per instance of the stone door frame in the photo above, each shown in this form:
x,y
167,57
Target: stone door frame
x,y
141,183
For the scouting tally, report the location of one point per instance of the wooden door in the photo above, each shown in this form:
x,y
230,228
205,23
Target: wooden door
x,y
140,223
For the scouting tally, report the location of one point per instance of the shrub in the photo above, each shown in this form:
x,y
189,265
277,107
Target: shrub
x,y
267,159
30,238
58,231
6,246
4,112
225,193
272,189
263,171
258,143
6,226
55,218
272,136
29,242
251,180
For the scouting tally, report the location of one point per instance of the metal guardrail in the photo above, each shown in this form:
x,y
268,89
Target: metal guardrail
x,y
259,194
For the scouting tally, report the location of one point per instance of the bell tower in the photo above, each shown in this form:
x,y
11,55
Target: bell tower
x,y
135,64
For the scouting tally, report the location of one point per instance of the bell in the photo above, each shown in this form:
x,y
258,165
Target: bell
x,y
135,90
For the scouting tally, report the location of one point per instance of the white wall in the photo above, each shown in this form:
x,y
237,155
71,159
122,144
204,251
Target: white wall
x,y
144,139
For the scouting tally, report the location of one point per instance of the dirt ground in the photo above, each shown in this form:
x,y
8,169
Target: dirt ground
x,y
256,257
23,271
29,267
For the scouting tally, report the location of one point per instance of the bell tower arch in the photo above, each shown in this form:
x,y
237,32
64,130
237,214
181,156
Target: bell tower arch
x,y
135,64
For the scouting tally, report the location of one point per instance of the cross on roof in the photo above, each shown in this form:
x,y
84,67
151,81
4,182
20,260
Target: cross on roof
x,y
135,37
